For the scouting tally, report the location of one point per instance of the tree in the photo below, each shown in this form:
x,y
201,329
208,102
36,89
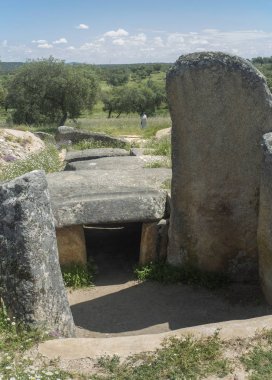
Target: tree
x,y
2,95
133,98
117,77
49,91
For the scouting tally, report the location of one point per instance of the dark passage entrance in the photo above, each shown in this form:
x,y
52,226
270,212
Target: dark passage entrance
x,y
115,250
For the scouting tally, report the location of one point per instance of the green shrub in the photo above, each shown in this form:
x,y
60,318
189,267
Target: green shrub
x,y
169,274
78,275
47,160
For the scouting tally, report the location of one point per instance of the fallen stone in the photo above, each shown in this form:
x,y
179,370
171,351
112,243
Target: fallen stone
x,y
107,196
31,284
220,107
113,163
92,154
69,134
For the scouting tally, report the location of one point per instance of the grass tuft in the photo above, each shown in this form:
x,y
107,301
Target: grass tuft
x,y
169,274
183,358
78,275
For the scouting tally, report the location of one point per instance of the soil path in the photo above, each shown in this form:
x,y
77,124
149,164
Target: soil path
x,y
120,306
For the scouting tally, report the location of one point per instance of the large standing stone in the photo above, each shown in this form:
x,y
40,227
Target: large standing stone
x,y
265,220
31,284
220,107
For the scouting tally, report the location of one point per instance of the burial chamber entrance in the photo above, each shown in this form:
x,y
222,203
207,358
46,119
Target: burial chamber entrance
x,y
114,249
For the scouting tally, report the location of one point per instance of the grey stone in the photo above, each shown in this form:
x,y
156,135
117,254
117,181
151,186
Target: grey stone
x,y
154,241
265,220
220,107
65,134
137,151
113,163
107,196
31,283
91,154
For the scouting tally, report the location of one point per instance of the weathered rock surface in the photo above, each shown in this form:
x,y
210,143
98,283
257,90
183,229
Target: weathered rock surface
x,y
15,145
31,283
69,134
91,154
265,220
163,133
154,241
113,163
107,196
220,107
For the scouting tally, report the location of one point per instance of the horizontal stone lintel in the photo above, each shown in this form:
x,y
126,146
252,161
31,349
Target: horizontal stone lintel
x,y
117,208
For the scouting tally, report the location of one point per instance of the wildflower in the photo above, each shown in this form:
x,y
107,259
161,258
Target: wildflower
x,y
13,323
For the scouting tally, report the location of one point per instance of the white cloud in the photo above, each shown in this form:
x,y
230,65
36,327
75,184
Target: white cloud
x,y
118,41
158,41
39,41
45,46
5,43
70,48
60,41
116,33
82,26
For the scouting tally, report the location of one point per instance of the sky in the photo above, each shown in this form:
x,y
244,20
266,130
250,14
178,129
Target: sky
x,y
132,31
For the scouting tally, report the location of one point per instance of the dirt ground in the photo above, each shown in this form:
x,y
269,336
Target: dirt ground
x,y
118,305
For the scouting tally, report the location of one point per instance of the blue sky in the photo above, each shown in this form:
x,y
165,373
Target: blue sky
x,y
130,31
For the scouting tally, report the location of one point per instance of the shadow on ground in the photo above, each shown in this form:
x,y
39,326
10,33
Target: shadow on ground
x,y
119,305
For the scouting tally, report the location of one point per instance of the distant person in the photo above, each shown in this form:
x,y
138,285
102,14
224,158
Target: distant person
x,y
143,120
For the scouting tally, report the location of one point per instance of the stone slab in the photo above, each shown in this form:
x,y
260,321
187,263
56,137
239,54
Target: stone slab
x,y
125,346
108,196
91,154
71,245
67,134
113,163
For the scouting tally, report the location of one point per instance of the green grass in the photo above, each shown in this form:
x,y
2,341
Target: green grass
x,y
124,125
78,275
161,147
92,144
184,358
169,274
47,160
165,163
15,362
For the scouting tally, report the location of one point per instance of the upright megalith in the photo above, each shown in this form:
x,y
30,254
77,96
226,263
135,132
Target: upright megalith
x,y
220,107
265,219
31,284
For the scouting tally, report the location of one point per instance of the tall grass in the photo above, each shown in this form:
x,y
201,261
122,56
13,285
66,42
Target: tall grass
x,y
126,125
